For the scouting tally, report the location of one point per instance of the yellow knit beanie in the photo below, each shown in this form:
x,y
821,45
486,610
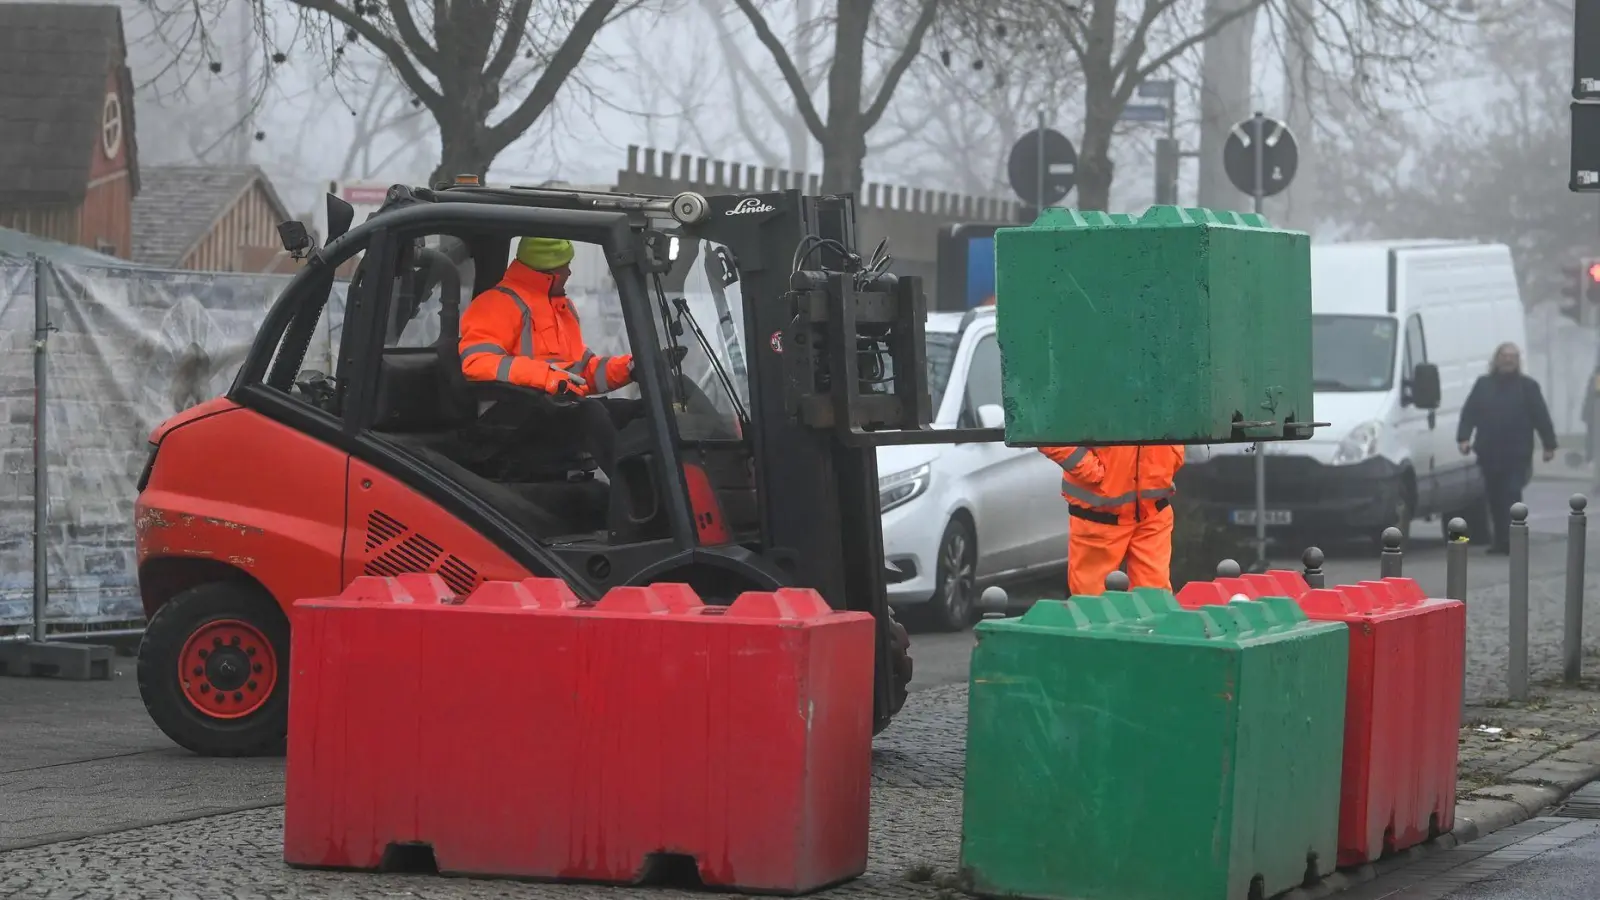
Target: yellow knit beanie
x,y
544,254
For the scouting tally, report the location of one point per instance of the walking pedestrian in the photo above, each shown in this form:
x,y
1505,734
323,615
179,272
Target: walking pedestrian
x,y
1501,416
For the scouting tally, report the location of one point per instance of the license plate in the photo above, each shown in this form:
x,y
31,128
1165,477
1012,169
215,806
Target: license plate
x,y
1273,517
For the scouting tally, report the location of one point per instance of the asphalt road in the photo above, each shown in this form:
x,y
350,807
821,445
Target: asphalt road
x,y
1565,872
942,658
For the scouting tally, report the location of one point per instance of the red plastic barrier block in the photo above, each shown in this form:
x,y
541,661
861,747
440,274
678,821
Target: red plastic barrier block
x,y
1281,583
1240,586
521,733
1203,593
1402,713
427,588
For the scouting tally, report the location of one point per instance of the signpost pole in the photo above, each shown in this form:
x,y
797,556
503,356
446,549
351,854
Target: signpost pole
x,y
1259,152
1039,199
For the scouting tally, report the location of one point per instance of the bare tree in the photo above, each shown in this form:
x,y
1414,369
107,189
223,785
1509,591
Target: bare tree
x,y
962,114
854,104
1119,43
793,149
671,100
462,61
1493,174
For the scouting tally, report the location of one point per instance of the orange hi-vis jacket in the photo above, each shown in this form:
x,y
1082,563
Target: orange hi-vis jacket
x,y
1117,485
517,332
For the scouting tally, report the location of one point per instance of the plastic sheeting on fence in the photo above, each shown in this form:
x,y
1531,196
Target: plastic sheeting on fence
x,y
128,348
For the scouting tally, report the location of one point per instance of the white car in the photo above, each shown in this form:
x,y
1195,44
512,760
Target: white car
x,y
960,517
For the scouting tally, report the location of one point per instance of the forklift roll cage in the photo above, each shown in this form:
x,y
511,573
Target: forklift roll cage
x,y
812,322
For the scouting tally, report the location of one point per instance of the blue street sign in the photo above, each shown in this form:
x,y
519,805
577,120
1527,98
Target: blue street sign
x,y
1162,89
1143,112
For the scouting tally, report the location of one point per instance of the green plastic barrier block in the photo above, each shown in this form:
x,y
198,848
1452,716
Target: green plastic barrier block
x,y
1121,748
1177,326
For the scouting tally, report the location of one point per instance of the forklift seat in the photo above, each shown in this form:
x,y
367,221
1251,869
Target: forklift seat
x,y
421,389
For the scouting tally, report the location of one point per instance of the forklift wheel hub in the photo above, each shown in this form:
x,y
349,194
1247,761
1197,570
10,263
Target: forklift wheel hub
x,y
227,669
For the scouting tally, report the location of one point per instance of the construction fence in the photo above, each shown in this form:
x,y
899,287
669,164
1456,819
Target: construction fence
x,y
124,349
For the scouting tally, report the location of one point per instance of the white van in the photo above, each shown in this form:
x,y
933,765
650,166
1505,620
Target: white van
x,y
1385,316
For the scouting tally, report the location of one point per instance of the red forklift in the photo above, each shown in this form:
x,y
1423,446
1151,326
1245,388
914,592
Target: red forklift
x,y
751,465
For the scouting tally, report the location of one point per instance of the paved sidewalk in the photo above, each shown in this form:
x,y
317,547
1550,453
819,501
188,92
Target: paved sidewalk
x,y
1516,760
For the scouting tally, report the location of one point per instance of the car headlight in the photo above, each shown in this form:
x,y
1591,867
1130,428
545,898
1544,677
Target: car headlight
x,y
1359,445
901,488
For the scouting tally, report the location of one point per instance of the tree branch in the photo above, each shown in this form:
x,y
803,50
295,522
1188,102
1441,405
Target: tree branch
x,y
411,35
560,65
897,69
383,43
1173,52
516,31
736,60
780,56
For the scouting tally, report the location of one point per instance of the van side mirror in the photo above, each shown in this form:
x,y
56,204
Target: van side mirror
x,y
990,415
1425,391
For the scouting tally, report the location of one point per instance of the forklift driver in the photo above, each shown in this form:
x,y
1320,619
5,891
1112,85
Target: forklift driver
x,y
524,331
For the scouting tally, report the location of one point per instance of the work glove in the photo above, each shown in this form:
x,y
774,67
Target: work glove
x,y
567,385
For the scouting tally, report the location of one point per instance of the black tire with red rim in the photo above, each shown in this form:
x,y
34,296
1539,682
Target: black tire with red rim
x,y
213,670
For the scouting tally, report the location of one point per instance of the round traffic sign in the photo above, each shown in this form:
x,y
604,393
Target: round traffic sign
x,y
1280,156
1060,166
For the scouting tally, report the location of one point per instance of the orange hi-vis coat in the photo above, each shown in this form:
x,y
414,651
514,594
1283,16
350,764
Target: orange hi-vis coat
x,y
1120,500
517,332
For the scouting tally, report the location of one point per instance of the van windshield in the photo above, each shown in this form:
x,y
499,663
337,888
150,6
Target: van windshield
x,y
1352,353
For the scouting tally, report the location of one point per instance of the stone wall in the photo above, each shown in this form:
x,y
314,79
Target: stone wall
x,y
909,217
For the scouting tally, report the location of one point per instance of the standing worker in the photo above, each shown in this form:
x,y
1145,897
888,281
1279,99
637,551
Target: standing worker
x,y
1499,420
1120,500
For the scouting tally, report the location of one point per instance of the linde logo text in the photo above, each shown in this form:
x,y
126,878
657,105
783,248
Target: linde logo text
x,y
748,205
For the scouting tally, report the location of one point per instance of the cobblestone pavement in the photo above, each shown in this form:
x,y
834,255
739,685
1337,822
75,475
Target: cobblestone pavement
x,y
1504,742
916,829
916,820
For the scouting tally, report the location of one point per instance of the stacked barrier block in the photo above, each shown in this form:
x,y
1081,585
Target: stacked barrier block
x,y
521,733
1194,326
1122,748
1402,713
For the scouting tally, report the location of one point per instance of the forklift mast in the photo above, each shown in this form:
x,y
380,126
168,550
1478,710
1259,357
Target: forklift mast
x,y
837,368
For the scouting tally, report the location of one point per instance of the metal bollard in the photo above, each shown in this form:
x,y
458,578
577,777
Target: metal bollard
x,y
1572,635
1228,569
1455,561
1313,559
1389,560
1517,665
1455,583
1118,581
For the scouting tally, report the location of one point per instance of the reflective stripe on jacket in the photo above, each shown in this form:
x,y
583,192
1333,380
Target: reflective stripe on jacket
x,y
1111,479
516,332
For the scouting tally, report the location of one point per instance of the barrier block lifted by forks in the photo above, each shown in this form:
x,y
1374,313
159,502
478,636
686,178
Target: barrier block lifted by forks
x,y
1180,326
517,732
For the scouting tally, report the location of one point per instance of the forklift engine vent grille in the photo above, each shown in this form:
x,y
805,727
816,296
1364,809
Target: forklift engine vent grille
x,y
405,554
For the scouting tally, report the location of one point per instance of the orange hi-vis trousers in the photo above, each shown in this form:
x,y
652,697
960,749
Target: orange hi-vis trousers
x,y
1096,549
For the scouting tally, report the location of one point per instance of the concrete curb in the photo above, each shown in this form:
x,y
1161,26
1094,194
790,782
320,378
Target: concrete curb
x,y
1522,796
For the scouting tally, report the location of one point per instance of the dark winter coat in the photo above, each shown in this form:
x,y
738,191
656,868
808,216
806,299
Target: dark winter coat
x,y
1505,410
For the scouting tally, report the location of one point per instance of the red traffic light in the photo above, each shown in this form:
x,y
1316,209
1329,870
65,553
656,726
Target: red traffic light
x,y
1594,272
